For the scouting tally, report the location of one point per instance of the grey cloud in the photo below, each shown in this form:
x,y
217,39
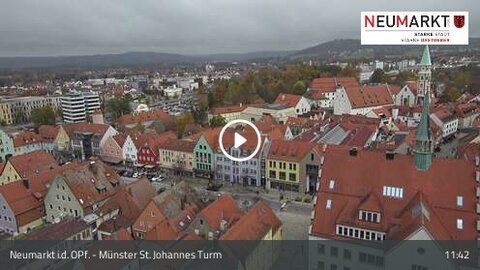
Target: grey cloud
x,y
66,27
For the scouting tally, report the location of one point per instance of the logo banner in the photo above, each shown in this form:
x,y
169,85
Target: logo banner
x,y
414,28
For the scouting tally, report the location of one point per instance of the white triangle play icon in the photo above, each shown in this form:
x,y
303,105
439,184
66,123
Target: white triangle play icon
x,y
238,140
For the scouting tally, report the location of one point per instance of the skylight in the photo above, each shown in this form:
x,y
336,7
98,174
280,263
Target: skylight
x,y
459,223
329,204
331,185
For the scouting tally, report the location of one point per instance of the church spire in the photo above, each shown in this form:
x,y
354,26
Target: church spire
x,y
423,149
424,76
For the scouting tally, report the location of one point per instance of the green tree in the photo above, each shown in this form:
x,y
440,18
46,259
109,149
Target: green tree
x,y
118,107
299,88
349,71
182,121
378,76
43,116
218,121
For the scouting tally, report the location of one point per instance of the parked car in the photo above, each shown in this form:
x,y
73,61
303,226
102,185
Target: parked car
x,y
159,178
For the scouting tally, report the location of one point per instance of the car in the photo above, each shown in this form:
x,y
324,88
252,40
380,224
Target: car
x,y
159,178
137,175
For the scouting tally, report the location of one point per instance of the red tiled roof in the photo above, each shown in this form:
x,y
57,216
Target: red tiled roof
x,y
291,150
224,208
85,180
120,138
120,234
369,96
153,115
98,129
175,144
59,231
413,86
228,109
255,224
367,175
26,138
131,200
288,99
324,85
31,164
48,133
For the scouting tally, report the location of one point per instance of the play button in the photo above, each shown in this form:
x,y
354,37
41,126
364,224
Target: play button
x,y
239,140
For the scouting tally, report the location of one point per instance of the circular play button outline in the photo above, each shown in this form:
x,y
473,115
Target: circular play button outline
x,y
237,121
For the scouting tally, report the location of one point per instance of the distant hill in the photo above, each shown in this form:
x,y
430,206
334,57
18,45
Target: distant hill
x,y
351,48
339,49
129,59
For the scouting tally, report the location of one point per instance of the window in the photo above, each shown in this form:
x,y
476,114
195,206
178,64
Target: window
x,y
331,185
459,201
362,257
292,177
334,251
333,267
394,192
320,248
320,265
329,204
273,174
347,254
459,223
282,176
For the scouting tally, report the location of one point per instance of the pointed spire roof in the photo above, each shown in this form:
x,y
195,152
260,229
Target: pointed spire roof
x,y
423,129
426,57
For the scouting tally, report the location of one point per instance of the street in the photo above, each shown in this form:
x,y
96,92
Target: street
x,y
295,216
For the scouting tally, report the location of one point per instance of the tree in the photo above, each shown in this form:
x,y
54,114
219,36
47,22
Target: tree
x,y
378,76
43,116
218,121
118,107
182,121
349,71
299,88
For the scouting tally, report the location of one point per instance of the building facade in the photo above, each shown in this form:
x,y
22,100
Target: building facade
x,y
77,106
19,109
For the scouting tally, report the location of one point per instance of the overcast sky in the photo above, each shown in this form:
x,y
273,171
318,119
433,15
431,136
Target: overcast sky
x,y
74,27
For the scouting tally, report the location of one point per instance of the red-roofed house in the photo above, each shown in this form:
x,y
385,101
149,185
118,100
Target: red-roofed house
x,y
157,119
228,112
21,202
177,155
112,149
27,165
386,197
26,142
322,90
361,100
79,192
446,122
216,218
301,104
147,151
292,166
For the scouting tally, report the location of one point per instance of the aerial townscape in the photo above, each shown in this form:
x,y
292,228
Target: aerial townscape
x,y
390,155
341,141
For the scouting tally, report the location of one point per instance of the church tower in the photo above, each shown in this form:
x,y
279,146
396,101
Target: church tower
x,y
424,76
423,148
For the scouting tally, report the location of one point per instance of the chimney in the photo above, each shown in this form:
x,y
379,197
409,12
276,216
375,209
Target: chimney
x,y
26,182
283,97
354,152
240,104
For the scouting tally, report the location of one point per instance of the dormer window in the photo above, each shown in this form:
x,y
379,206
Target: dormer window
x,y
369,216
